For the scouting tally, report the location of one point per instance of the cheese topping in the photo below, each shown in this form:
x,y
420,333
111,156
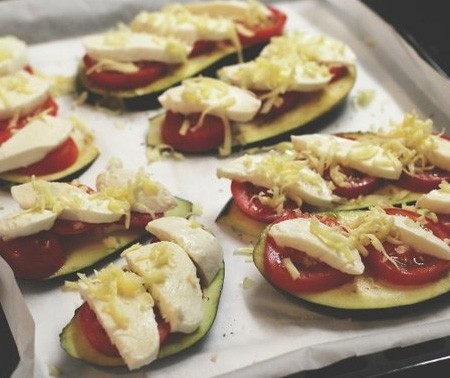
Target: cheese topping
x,y
33,142
24,223
250,12
177,21
277,74
201,246
322,242
135,187
211,96
125,309
282,175
170,276
117,49
437,200
21,93
310,47
13,55
362,155
68,201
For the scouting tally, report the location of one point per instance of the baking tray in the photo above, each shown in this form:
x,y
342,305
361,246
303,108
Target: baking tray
x,y
257,332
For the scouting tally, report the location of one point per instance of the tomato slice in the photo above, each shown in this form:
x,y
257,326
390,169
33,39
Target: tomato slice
x,y
423,182
314,275
117,81
34,256
444,221
6,130
338,72
202,47
357,183
245,197
413,268
55,161
95,333
97,337
69,228
202,139
262,33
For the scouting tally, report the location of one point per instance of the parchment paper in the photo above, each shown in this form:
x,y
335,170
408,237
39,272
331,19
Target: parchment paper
x,y
257,332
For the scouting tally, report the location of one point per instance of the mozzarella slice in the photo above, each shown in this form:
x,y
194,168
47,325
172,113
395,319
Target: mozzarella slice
x,y
170,276
277,74
176,21
13,55
213,97
125,46
298,181
365,157
21,93
296,233
33,142
423,241
437,201
440,157
24,223
125,310
70,202
315,47
201,246
137,187
250,12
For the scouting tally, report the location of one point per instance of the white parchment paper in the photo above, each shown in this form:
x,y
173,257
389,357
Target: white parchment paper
x,y
257,332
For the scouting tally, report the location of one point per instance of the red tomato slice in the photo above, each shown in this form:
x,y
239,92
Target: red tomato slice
x,y
34,256
139,220
262,33
118,81
97,337
244,196
55,161
338,72
423,182
69,228
94,332
358,184
202,47
204,138
314,275
444,221
414,268
6,130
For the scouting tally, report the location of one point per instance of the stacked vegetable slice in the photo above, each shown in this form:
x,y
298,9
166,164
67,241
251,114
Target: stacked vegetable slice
x,y
182,274
33,141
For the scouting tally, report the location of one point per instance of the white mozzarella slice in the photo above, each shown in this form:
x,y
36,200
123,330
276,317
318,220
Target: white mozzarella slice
x,y
272,74
296,233
70,202
128,47
436,201
316,47
299,182
21,93
214,96
233,9
24,223
33,142
144,194
13,55
440,157
125,310
170,276
364,157
177,22
423,241
201,246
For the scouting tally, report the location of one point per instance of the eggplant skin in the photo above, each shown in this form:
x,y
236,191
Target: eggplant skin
x,y
77,346
365,296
